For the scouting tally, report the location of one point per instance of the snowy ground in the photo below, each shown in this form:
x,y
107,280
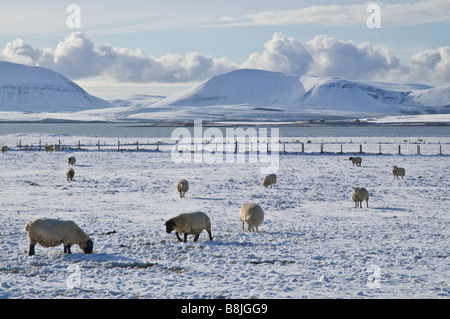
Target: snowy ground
x,y
312,244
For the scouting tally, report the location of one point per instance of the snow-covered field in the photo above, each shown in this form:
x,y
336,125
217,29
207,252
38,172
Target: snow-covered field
x,y
313,243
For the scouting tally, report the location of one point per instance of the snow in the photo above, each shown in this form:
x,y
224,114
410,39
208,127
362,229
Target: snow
x,y
38,94
37,89
313,243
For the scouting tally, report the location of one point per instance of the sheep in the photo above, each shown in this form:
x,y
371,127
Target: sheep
x,y
70,173
72,160
269,180
182,187
4,149
360,194
48,148
57,147
251,214
398,171
53,232
356,160
189,224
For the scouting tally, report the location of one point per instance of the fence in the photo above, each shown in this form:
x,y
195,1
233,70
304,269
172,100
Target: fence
x,y
288,147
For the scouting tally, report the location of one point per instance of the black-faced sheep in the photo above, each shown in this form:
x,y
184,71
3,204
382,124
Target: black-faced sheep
x,y
269,180
4,149
398,171
356,160
70,173
72,160
360,194
53,232
182,187
251,214
189,224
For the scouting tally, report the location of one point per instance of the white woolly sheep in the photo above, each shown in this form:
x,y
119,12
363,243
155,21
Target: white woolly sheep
x,y
182,187
398,171
53,232
356,160
360,194
72,160
270,180
251,214
4,149
189,224
70,173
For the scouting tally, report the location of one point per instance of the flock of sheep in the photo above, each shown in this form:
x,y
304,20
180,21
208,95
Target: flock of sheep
x,y
53,232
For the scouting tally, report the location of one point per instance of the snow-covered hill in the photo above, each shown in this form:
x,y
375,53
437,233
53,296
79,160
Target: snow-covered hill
x,y
37,89
248,94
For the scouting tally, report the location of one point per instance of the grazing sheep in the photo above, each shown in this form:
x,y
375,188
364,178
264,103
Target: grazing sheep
x,y
398,171
72,160
53,232
48,148
70,173
270,180
356,160
182,187
57,147
4,149
252,215
360,194
189,224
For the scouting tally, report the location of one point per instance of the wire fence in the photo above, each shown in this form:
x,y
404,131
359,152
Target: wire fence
x,y
405,147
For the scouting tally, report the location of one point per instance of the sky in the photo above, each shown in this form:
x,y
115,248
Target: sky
x,y
117,48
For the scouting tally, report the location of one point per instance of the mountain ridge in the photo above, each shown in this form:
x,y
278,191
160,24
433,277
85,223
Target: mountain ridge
x,y
37,89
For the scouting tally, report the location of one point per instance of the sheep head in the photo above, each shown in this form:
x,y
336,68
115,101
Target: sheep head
x,y
89,247
170,225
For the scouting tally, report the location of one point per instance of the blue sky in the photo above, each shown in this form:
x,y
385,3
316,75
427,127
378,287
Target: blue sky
x,y
160,47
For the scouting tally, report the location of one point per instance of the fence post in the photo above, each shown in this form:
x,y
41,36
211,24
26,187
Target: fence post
x,y
98,145
321,148
360,148
399,149
39,144
118,145
20,144
137,145
379,149
418,149
303,147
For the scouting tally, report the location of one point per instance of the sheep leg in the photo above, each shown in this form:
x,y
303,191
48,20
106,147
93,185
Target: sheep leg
x,y
67,249
178,237
196,237
210,235
185,237
31,250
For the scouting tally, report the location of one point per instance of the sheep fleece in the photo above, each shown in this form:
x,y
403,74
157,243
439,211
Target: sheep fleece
x,y
192,223
252,215
53,232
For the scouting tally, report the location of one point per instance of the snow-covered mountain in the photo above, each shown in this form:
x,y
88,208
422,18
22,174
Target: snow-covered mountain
x,y
37,89
248,94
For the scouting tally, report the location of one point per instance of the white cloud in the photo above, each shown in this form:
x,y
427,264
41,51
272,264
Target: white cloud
x,y
333,57
281,54
421,12
78,58
432,65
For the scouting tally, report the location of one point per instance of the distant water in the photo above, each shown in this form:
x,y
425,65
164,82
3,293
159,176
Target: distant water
x,y
145,130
